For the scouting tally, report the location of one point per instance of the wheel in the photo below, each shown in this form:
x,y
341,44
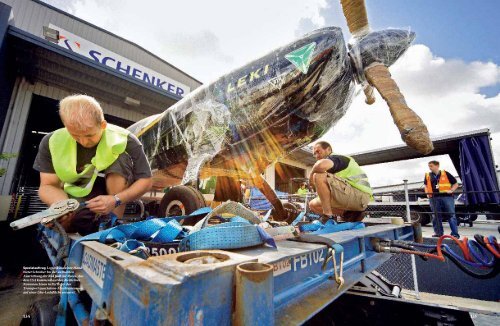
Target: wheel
x,y
421,217
181,200
292,209
494,216
466,218
415,216
42,313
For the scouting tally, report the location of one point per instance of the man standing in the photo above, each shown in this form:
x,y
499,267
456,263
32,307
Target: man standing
x,y
342,186
92,161
302,191
439,187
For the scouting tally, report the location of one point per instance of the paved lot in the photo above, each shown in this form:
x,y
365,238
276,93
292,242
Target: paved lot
x,y
479,227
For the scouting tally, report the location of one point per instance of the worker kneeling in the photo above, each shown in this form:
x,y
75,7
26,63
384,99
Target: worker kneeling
x,y
342,186
92,161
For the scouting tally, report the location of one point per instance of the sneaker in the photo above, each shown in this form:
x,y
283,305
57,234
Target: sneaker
x,y
437,236
353,216
456,235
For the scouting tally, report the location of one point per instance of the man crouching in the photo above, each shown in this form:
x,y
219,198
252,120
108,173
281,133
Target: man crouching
x,y
342,186
92,161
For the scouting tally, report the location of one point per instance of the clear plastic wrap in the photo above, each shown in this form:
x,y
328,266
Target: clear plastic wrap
x,y
251,116
384,47
371,55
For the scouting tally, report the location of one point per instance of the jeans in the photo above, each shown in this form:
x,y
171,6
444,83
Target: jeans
x,y
444,206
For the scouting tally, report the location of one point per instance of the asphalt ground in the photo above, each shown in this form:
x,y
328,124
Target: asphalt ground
x,y
482,227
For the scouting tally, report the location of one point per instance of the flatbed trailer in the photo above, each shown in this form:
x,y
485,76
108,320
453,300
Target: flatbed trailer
x,y
163,290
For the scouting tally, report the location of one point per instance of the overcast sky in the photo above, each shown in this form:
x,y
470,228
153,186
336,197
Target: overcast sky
x,y
450,76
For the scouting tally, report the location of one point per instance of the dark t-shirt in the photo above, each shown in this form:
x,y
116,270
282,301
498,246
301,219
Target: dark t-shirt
x,y
340,163
140,166
435,180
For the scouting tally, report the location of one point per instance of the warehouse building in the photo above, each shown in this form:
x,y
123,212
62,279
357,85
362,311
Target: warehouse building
x,y
47,54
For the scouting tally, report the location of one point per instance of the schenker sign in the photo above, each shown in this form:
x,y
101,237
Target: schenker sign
x,y
123,65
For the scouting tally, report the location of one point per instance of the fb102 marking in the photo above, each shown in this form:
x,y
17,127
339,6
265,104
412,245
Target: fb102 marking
x,y
299,262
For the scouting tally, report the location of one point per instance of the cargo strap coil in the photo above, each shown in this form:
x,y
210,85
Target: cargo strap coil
x,y
240,232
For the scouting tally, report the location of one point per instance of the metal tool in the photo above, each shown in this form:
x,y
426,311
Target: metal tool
x,y
339,279
55,210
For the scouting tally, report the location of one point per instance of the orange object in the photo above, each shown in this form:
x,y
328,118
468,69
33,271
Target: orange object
x,y
443,183
491,248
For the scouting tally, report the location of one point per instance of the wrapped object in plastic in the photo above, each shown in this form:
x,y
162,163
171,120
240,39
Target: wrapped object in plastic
x,y
239,124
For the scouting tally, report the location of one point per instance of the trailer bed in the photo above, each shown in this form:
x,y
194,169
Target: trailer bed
x,y
125,289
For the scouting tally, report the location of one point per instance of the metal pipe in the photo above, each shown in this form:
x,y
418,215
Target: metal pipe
x,y
254,294
413,263
417,232
407,200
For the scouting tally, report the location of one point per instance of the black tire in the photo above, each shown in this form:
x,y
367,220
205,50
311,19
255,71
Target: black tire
x,y
181,200
466,218
416,216
42,313
493,216
421,217
292,210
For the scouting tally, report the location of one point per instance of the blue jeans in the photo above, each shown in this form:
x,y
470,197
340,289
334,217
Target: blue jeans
x,y
444,206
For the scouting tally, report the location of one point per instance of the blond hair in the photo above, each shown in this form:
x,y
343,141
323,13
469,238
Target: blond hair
x,y
80,111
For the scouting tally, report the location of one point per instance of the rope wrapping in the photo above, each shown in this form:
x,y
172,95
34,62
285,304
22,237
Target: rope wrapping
x,y
412,129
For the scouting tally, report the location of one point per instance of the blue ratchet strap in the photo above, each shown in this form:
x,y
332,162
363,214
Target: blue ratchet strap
x,y
316,227
332,227
263,234
135,248
146,229
201,211
313,226
238,233
168,233
156,229
109,223
230,235
266,237
119,233
238,219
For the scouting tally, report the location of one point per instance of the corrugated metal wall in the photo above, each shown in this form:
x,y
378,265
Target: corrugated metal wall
x,y
15,126
58,94
15,123
31,16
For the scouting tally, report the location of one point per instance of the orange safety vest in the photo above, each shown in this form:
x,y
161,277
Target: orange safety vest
x,y
443,184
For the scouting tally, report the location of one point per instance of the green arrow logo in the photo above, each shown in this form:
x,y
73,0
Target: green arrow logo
x,y
301,58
